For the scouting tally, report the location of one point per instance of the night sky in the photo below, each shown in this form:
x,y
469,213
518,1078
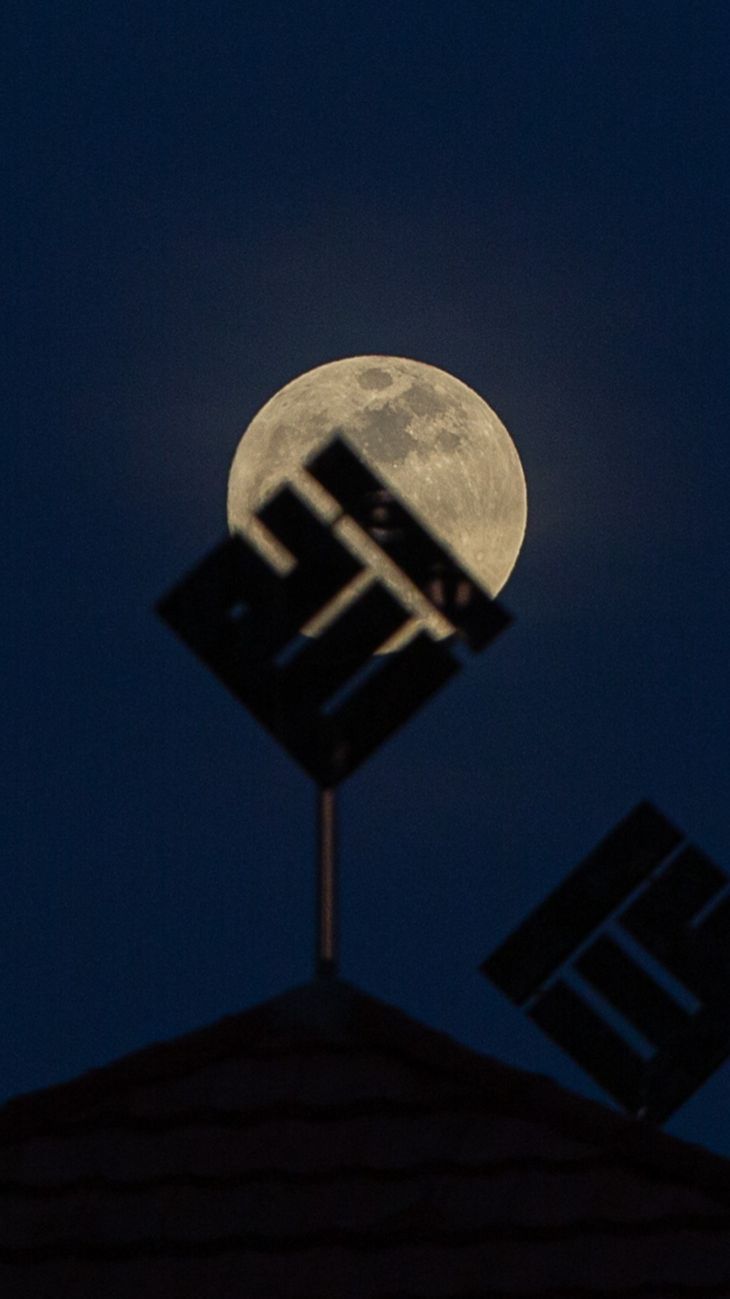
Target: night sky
x,y
207,200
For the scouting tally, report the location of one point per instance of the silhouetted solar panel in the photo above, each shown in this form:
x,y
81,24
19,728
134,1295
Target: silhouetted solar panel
x,y
585,898
245,620
673,989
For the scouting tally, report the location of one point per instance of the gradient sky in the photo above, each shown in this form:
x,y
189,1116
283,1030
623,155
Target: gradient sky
x,y
207,200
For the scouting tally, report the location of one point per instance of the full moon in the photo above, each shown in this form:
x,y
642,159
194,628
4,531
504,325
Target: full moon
x,y
429,437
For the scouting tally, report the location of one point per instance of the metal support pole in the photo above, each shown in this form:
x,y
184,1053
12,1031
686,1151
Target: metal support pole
x,y
327,887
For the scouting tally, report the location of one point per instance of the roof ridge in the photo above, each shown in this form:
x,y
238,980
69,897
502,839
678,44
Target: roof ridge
x,y
330,1010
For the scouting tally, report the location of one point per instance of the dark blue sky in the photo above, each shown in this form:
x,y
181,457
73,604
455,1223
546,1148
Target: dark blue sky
x,y
205,201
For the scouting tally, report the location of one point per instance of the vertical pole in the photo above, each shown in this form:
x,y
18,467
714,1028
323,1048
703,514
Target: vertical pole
x,y
327,886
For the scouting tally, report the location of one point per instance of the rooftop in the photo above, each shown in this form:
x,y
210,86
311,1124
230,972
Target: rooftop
x,y
325,1144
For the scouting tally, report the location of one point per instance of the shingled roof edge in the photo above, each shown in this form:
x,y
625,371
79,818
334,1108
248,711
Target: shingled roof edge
x,y
334,1011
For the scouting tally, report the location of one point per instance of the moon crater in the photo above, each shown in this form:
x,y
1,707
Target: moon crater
x,y
375,378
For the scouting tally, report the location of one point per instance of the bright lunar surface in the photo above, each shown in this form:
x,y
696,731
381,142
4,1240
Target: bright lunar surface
x,y
430,438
